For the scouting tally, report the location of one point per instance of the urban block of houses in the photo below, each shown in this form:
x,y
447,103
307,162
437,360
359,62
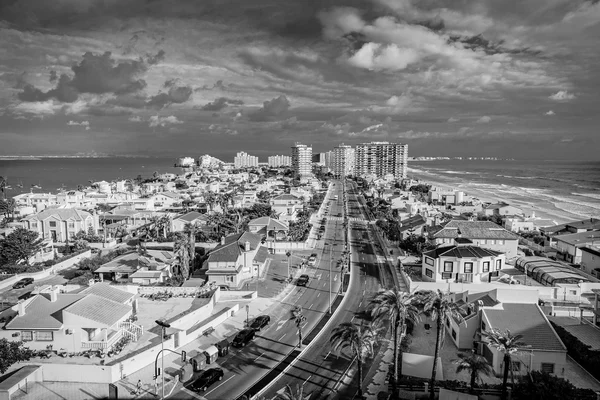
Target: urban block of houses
x,y
95,318
569,246
193,217
164,200
236,258
585,225
484,234
152,267
286,206
501,209
39,201
514,310
269,228
60,223
462,262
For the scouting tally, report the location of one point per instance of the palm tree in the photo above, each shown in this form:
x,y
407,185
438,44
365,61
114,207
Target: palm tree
x,y
3,186
291,394
191,229
439,307
210,198
299,319
474,364
507,343
359,340
7,207
181,248
396,306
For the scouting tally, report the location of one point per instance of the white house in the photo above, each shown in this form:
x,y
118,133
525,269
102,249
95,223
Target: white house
x,y
286,206
60,223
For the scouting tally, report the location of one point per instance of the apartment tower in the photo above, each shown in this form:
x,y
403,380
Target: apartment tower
x,y
245,160
381,158
302,160
343,161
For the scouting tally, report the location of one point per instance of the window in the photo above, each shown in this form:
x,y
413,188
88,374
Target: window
x,y
229,278
498,264
52,224
483,241
428,273
33,224
468,267
573,292
72,225
26,336
44,336
428,261
486,266
446,275
500,242
548,367
448,266
453,334
516,366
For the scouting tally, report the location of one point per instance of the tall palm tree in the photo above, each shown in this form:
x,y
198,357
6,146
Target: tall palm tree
x,y
474,364
299,319
507,343
210,198
181,248
359,340
3,186
291,394
190,229
396,307
439,307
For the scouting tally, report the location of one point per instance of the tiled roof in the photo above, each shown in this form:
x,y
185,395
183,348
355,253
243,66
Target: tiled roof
x,y
474,230
146,274
192,216
261,255
526,320
99,309
579,239
233,247
286,197
62,213
412,222
41,313
461,252
108,292
270,223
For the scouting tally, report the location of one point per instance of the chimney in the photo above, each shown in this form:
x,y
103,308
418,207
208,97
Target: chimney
x,y
21,308
222,240
247,246
54,293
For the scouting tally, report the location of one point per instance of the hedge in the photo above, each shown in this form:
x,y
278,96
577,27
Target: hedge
x,y
589,359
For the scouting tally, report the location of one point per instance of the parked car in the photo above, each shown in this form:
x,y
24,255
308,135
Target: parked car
x,y
260,322
314,255
243,337
207,378
302,280
312,261
22,283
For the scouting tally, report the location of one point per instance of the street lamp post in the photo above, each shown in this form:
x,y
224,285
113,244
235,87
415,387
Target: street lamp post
x,y
289,256
330,257
163,326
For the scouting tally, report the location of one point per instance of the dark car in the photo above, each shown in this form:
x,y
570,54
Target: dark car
x,y
22,283
207,378
302,280
260,322
314,255
243,337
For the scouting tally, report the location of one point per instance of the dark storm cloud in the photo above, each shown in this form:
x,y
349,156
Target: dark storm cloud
x,y
219,85
53,76
175,95
96,74
155,59
220,103
271,109
478,42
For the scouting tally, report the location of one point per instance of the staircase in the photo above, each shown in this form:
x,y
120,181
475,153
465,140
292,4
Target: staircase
x,y
132,330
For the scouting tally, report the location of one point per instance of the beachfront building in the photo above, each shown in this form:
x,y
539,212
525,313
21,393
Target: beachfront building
x,y
237,258
380,159
39,201
569,247
59,223
245,160
279,161
302,160
343,161
590,260
526,224
462,262
586,225
484,234
444,196
93,319
502,209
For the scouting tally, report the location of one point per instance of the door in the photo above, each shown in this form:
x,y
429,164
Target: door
x,y
53,235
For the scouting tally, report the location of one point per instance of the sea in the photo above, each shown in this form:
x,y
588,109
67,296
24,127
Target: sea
x,y
559,190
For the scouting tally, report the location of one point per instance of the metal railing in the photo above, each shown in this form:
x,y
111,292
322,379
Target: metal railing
x,y
136,330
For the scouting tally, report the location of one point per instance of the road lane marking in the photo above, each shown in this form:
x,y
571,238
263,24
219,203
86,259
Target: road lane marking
x,y
259,356
283,336
318,294
280,325
224,382
306,380
327,355
353,318
311,306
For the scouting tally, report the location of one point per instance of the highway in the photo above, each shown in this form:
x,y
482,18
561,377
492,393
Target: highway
x,y
319,370
244,367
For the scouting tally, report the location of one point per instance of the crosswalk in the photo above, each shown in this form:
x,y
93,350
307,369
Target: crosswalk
x,y
351,219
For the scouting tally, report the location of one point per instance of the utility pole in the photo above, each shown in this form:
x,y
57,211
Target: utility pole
x,y
330,257
163,326
289,255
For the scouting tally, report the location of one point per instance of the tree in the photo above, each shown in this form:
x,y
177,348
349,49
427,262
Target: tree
x,y
299,319
11,353
3,186
7,207
507,343
439,307
539,385
190,229
396,307
19,246
210,198
474,364
359,340
182,252
291,394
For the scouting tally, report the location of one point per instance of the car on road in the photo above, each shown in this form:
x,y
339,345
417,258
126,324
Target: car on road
x,y
314,255
207,378
260,322
243,337
22,283
302,280
312,261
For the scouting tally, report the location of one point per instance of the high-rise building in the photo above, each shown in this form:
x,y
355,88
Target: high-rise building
x,y
279,161
326,159
302,160
245,160
381,158
208,161
343,161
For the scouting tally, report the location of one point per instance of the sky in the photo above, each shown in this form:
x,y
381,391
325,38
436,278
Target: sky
x,y
510,78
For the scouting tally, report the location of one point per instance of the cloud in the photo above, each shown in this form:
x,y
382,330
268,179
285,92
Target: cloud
x,y
378,57
484,120
97,74
135,118
53,76
550,113
562,95
155,59
220,103
155,121
75,123
175,95
452,119
271,108
402,104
